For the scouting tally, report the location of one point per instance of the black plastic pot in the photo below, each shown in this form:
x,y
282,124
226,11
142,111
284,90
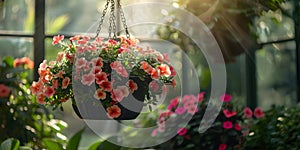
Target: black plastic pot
x,y
130,106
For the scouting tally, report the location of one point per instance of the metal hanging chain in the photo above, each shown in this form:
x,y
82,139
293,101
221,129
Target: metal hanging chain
x,y
123,19
112,21
102,18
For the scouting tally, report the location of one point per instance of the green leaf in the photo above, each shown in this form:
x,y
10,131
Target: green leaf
x,y
107,145
95,145
25,148
10,144
74,141
9,61
52,145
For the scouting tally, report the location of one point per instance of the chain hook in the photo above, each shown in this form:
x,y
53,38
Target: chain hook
x,y
112,19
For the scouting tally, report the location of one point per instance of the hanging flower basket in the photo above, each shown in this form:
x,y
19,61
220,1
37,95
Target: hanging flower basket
x,y
104,78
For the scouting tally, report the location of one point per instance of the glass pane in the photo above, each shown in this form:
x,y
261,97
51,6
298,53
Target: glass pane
x,y
71,17
274,26
16,47
276,76
17,16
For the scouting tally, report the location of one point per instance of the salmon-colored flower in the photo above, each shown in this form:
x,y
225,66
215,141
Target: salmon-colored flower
x,y
132,86
99,94
40,98
36,87
24,61
146,67
55,84
101,77
4,91
57,39
60,56
164,70
49,91
60,74
248,112
106,86
124,90
97,62
88,79
154,74
258,113
113,111
182,131
65,82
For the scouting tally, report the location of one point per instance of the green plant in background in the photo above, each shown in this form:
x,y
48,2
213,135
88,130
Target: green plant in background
x,y
21,117
278,130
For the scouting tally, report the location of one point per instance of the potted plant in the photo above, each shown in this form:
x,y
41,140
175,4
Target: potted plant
x,y
97,73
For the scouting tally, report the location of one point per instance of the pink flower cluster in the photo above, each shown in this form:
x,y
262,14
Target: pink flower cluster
x,y
4,91
96,60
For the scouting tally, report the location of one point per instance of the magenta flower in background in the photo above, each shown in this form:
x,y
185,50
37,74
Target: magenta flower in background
x,y
248,112
227,125
225,98
201,96
181,131
222,147
180,110
229,113
237,127
258,113
4,91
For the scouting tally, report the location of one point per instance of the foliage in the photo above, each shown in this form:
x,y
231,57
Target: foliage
x,y
226,132
278,130
21,117
96,61
50,144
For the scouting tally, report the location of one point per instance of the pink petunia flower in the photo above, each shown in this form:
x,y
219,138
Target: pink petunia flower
x,y
65,82
248,112
113,111
182,131
88,79
97,62
154,132
80,63
201,96
222,146
4,91
192,110
57,39
227,125
146,67
154,86
180,110
225,98
99,94
228,113
117,95
35,87
258,113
